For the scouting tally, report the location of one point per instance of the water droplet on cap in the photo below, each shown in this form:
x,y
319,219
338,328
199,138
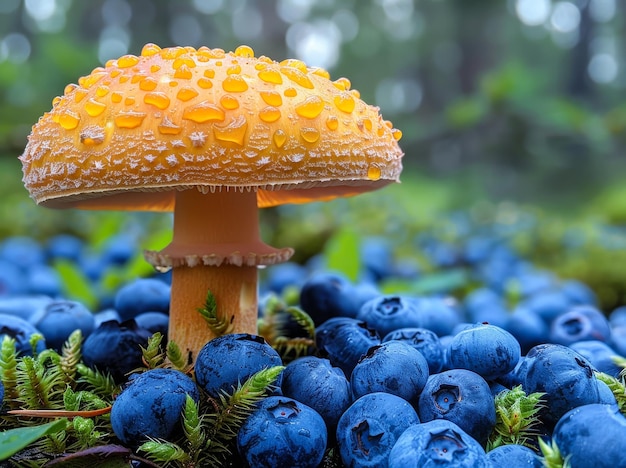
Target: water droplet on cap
x,y
129,119
69,120
271,98
311,107
244,51
229,102
150,49
127,61
148,84
373,173
310,135
234,84
204,112
269,114
270,76
186,93
157,99
297,76
94,108
332,122
279,138
234,132
344,102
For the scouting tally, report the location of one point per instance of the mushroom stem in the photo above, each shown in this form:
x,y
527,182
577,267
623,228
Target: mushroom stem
x,y
215,247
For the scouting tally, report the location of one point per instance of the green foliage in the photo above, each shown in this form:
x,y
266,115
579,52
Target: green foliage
x,y
552,457
210,431
14,440
516,418
217,322
342,253
154,356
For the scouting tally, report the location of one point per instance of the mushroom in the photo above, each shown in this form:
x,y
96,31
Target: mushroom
x,y
210,135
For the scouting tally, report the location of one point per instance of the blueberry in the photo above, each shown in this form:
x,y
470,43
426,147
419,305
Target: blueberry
x,y
394,367
282,432
592,436
115,348
12,279
228,360
617,317
599,354
578,324
460,396
387,313
60,318
606,395
369,428
486,305
119,249
65,246
425,341
154,322
327,295
514,456
150,405
377,257
142,295
284,275
22,252
316,383
437,443
579,293
438,313
21,331
527,327
44,280
344,340
485,349
548,304
566,378
23,307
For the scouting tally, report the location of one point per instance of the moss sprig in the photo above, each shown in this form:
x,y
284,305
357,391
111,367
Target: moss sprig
x,y
217,322
516,418
8,371
551,455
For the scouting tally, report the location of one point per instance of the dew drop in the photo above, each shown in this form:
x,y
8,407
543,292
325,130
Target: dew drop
x,y
116,97
69,120
321,72
171,53
373,173
157,99
279,138
355,93
204,112
150,49
234,84
129,119
234,132
115,73
311,107
269,114
234,70
124,78
127,61
332,122
94,108
56,100
297,76
365,125
229,102
148,84
271,98
209,73
397,134
79,95
183,60
270,76
344,102
155,68
186,93
309,134
205,83
183,73
244,51
343,84
137,78
88,81
129,101
69,88
294,63
163,269
291,92
102,91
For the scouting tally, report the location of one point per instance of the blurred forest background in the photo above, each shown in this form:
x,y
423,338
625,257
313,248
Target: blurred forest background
x,y
512,111
519,99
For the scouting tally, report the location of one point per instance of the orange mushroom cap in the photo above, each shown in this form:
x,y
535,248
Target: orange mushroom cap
x,y
175,118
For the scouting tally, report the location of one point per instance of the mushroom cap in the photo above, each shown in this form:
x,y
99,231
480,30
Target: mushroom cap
x,y
131,133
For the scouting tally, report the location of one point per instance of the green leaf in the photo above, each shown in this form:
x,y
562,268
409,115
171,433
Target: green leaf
x,y
14,440
75,283
342,253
